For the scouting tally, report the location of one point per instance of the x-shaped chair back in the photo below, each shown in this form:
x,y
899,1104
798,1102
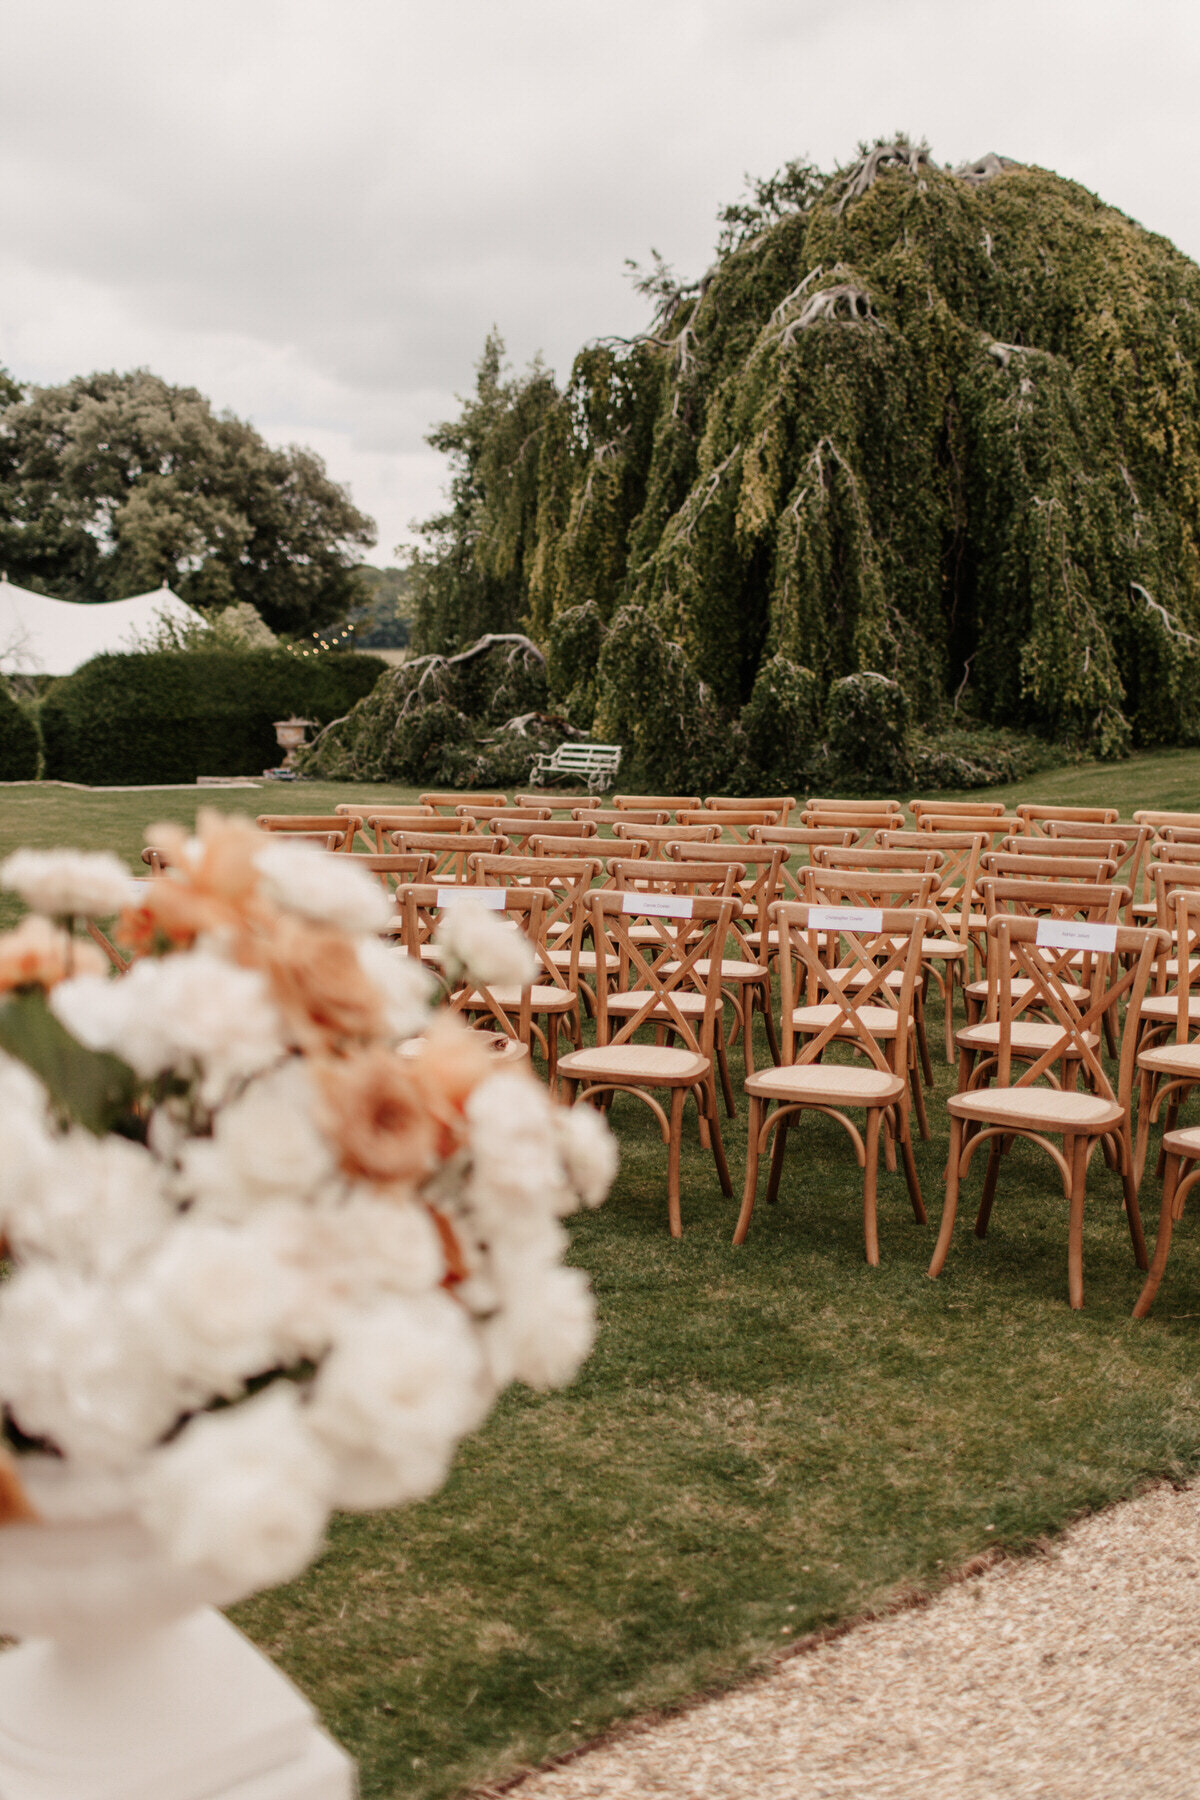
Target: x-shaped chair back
x,y
955,893
1084,903
654,836
994,828
420,910
689,928
848,965
396,870
565,881
734,820
450,850
757,886
800,842
343,827
1005,865
897,889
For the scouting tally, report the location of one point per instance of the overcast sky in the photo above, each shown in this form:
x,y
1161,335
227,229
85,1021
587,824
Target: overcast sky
x,y
314,211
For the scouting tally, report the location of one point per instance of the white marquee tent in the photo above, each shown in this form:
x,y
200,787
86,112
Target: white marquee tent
x,y
40,636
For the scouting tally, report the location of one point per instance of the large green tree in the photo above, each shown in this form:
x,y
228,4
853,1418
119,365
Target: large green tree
x,y
936,425
111,484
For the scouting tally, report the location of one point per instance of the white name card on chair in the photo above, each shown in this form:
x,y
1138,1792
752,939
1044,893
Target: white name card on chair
x,y
1075,934
660,906
490,899
845,918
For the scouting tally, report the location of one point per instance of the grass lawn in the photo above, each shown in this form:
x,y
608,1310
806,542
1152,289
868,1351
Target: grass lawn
x,y
764,1441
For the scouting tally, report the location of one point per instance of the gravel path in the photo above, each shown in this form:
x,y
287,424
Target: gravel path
x,y
1066,1677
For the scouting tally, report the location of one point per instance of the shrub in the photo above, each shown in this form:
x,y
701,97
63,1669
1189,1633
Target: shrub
x,y
780,728
869,720
980,756
173,715
18,740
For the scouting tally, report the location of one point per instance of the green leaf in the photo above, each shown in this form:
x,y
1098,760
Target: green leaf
x,y
89,1086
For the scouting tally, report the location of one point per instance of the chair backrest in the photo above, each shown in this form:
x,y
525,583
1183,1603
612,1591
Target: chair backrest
x,y
1089,849
1176,834
654,802
365,816
1189,821
670,877
1038,817
612,817
757,887
956,890
870,888
959,809
382,819
1034,950
396,870
1186,921
451,850
800,841
314,826
923,861
847,963
780,804
688,929
551,841
517,827
1048,868
419,910
862,818
1171,879
657,835
569,803
865,808
449,802
1088,902
514,815
1176,853
565,881
583,827
993,827
1129,844
735,820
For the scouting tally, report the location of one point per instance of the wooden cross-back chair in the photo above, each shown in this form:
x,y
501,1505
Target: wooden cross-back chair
x,y
560,948
735,820
1129,844
655,987
862,818
655,836
746,971
993,827
800,841
919,861
396,869
552,843
314,827
518,827
1019,1108
1168,1071
1081,903
366,825
669,803
382,819
450,802
1038,818
451,850
419,909
1007,865
946,950
897,889
854,986
779,804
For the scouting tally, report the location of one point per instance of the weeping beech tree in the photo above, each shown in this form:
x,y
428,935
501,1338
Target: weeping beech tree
x,y
921,449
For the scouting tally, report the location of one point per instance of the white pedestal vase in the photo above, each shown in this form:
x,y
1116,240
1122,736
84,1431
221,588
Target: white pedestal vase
x,y
126,1688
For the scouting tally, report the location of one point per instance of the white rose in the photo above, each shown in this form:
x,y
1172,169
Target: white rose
x,y
265,1144
545,1327
405,988
334,890
192,1009
97,1204
75,1368
480,942
242,1493
91,883
404,1382
588,1148
218,1303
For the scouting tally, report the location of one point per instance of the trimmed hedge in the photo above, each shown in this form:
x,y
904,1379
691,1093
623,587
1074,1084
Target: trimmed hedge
x,y
174,715
18,740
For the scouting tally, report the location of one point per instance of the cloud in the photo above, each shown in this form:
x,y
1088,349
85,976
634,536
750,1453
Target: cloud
x,y
314,212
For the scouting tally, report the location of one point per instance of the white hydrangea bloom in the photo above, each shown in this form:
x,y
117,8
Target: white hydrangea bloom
x,y
333,890
76,1369
265,1145
242,1493
178,1012
27,1146
545,1327
219,1304
517,1176
588,1147
480,942
90,883
98,1203
405,988
405,1381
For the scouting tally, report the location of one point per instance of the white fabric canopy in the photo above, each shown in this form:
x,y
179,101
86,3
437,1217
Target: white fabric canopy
x,y
40,636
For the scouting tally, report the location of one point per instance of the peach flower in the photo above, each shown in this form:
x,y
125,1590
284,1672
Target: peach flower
x,y
318,982
39,954
377,1116
447,1063
210,882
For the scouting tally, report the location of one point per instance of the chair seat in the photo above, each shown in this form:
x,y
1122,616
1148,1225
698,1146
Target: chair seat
x,y
1041,1109
1028,1035
632,1000
880,1021
977,921
1171,1059
978,990
948,949
1183,1143
543,999
652,1065
731,970
826,1084
1165,1007
586,965
1145,909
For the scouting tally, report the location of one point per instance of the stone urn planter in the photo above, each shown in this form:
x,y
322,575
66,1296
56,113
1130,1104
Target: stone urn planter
x,y
129,1685
290,736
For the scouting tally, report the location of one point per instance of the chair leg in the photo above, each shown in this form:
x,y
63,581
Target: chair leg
x,y
988,1197
674,1148
1162,1244
870,1185
1145,1101
949,999
910,1170
748,1192
889,1145
718,1145
918,1094
769,1022
1077,1150
777,1154
950,1207
923,1043
1132,1210
726,1084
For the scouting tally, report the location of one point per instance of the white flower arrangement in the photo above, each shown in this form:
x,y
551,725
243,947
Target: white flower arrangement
x,y
262,1265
